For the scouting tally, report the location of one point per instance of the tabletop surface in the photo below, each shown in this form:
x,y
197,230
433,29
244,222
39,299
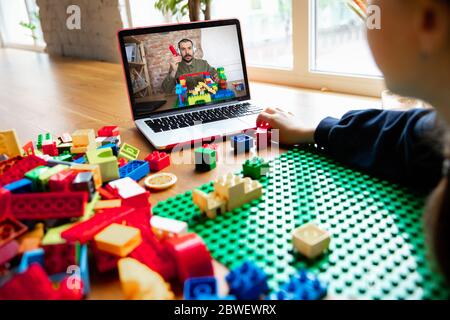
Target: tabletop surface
x,y
45,94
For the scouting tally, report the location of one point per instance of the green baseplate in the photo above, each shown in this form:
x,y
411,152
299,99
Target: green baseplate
x,y
377,248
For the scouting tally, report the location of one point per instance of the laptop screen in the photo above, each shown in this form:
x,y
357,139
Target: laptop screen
x,y
194,65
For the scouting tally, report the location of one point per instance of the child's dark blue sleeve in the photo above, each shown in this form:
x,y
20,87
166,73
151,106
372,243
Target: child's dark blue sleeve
x,y
393,144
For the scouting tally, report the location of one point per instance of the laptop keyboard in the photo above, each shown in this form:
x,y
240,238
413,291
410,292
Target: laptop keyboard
x,y
200,117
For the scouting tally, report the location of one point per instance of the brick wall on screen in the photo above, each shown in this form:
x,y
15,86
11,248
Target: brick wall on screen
x,y
100,21
158,53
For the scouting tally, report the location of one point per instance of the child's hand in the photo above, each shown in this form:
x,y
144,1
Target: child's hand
x,y
291,131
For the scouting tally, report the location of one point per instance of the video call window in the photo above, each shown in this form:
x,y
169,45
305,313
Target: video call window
x,y
185,68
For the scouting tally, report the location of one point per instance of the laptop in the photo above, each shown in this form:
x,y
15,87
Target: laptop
x,y
187,82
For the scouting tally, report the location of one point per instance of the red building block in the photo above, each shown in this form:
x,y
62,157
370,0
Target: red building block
x,y
122,162
9,251
68,291
57,257
10,229
158,161
131,193
33,284
108,131
214,147
29,148
51,205
85,231
15,169
62,181
50,149
104,262
191,256
107,195
5,202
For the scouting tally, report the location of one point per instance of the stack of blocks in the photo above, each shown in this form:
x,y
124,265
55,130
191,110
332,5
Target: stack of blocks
x,y
255,168
158,161
205,159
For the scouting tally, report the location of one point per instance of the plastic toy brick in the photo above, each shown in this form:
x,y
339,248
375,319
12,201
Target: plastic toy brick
x,y
65,156
139,282
135,170
5,202
114,148
57,257
50,148
34,175
65,138
45,175
93,168
8,163
83,138
165,227
209,204
9,251
64,148
81,150
205,159
62,181
53,205
247,282
241,143
107,162
32,239
20,186
302,286
118,239
310,240
121,162
84,269
53,235
15,169
107,204
191,256
131,193
10,229
108,131
28,148
81,159
111,140
3,157
214,147
256,168
84,181
195,287
129,152
31,257
306,186
33,284
85,231
104,262
9,143
158,161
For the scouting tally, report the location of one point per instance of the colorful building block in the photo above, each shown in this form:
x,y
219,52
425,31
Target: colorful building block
x,y
129,152
247,282
214,147
20,186
31,257
111,140
118,239
107,204
65,138
53,205
131,193
15,169
81,159
256,168
53,235
93,168
158,161
28,148
165,227
10,229
139,282
205,159
83,138
301,286
104,262
191,256
32,239
135,170
84,269
121,162
241,143
196,287
310,240
8,251
209,204
9,143
34,177
84,181
50,148
64,148
57,257
108,131
114,148
107,162
62,181
45,175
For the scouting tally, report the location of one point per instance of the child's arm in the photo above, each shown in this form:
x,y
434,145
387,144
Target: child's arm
x,y
396,145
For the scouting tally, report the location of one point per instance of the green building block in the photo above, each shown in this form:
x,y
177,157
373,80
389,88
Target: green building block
x,y
45,176
129,152
107,162
53,235
42,139
34,176
255,168
64,157
377,248
205,159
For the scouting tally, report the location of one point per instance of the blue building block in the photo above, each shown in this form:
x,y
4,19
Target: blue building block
x,y
194,287
20,186
135,169
248,282
301,286
241,143
29,257
114,147
84,269
80,160
224,94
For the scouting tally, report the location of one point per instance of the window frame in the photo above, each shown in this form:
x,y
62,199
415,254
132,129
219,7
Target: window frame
x,y
301,75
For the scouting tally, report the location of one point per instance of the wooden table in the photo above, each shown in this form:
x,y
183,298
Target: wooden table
x,y
42,94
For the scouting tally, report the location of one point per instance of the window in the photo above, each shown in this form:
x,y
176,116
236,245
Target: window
x,y
339,43
20,24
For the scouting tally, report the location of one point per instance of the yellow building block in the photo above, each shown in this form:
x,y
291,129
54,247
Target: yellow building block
x,y
94,168
231,188
310,240
253,190
9,143
107,162
83,138
108,204
139,282
118,239
209,204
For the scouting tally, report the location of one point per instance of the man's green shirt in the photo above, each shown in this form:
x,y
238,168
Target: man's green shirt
x,y
197,65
